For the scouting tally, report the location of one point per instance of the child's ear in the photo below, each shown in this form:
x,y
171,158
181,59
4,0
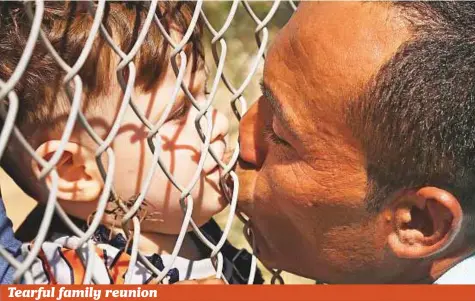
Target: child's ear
x,y
79,176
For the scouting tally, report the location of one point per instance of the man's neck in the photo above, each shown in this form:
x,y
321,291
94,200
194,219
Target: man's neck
x,y
440,267
428,272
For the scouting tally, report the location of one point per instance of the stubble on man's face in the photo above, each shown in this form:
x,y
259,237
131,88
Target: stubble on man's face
x,y
306,196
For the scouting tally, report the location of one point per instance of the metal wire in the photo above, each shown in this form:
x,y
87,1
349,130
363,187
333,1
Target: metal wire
x,y
73,85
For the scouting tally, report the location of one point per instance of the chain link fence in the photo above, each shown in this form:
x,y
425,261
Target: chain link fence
x,y
258,23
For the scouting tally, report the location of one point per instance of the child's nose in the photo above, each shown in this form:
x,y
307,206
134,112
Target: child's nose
x,y
218,139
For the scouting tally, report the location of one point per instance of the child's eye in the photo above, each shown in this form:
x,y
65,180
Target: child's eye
x,y
180,112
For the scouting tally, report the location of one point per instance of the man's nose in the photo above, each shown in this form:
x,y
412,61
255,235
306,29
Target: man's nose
x,y
253,147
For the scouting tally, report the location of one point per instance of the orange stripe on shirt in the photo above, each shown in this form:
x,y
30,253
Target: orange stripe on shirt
x,y
119,267
76,264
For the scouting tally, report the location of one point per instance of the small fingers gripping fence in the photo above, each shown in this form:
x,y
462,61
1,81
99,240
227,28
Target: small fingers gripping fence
x,y
126,73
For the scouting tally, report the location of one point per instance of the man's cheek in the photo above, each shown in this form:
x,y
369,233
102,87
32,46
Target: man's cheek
x,y
287,181
275,197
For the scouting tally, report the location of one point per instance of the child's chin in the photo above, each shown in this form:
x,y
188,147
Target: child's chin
x,y
207,215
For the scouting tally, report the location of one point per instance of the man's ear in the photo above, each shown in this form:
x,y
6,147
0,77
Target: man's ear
x,y
424,222
79,176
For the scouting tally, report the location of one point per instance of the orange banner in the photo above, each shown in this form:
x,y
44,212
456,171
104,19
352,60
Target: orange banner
x,y
241,293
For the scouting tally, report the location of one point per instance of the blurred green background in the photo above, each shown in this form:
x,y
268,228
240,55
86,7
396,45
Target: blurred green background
x,y
242,50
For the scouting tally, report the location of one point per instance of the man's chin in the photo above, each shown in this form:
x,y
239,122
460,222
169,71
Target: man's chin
x,y
271,258
244,208
260,247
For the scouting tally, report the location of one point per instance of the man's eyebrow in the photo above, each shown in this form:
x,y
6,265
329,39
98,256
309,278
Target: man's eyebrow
x,y
274,103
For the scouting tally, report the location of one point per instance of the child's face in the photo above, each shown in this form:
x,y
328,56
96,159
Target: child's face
x,y
180,152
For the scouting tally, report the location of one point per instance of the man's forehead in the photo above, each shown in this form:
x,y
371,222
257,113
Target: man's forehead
x,y
366,27
329,50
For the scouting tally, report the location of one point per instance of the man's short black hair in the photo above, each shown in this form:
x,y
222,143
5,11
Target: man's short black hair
x,y
416,119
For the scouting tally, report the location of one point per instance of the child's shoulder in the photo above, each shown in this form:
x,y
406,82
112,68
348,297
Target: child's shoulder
x,y
63,256
64,261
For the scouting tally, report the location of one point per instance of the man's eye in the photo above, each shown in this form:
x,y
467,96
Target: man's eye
x,y
272,136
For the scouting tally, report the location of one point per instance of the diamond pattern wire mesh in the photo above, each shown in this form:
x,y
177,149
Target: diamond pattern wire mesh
x,y
73,85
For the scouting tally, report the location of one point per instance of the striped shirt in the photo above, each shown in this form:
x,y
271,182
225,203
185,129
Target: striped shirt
x,y
63,261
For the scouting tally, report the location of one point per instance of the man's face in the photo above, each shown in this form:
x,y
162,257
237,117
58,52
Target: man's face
x,y
304,180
